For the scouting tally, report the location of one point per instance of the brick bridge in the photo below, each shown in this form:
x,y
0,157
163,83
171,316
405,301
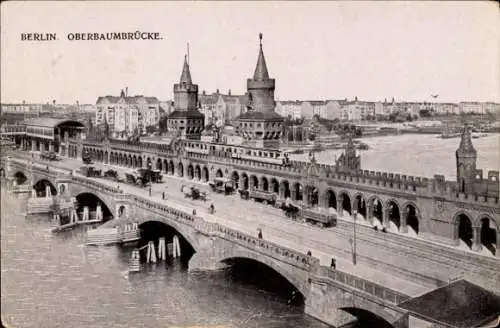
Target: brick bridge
x,y
432,209
330,296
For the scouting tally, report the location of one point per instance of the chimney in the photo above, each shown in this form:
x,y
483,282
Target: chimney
x,y
126,91
217,92
229,92
203,92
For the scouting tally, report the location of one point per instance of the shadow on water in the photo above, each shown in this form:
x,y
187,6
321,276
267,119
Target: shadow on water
x,y
153,230
255,275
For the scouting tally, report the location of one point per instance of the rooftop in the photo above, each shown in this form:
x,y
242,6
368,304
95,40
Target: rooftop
x,y
50,122
186,114
260,116
460,304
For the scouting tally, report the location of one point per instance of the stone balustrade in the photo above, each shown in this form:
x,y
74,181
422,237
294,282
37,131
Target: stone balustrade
x,y
373,289
96,185
263,246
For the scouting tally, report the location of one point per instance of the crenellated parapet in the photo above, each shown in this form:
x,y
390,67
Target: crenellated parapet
x,y
449,190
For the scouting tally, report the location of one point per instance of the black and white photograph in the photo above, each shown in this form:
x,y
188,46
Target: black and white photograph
x,y
247,164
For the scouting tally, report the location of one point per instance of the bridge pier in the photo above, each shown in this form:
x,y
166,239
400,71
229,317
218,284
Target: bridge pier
x,y
322,304
330,302
207,257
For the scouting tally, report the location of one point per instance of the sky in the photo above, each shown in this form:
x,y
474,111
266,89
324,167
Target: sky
x,y
314,50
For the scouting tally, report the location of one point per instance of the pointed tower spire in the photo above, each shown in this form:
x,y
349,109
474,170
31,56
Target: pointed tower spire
x,y
186,74
261,73
466,146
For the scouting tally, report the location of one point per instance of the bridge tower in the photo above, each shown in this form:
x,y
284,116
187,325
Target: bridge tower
x,y
186,120
348,160
466,157
260,126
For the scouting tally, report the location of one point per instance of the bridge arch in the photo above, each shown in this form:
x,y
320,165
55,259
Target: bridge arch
x,y
367,318
165,166
376,210
197,172
205,174
180,169
463,232
190,171
275,186
297,283
330,199
297,191
393,212
489,233
360,204
264,184
91,200
345,200
41,187
171,167
411,216
20,177
254,182
285,187
236,179
245,181
154,227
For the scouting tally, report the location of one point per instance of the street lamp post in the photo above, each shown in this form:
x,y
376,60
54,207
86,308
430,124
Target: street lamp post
x,y
354,215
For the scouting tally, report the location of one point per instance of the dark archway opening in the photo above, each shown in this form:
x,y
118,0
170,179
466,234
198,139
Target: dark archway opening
x,y
20,178
275,186
377,209
465,229
393,212
236,179
298,191
488,236
219,173
180,170
91,201
165,166
206,175
153,230
312,195
411,218
360,206
346,203
286,189
331,200
41,188
256,275
367,318
190,172
254,182
197,172
245,182
264,184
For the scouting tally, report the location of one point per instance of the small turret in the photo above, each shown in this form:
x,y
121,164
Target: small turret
x,y
466,157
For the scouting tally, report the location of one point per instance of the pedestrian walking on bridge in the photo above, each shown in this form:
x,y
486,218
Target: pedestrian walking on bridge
x,y
259,233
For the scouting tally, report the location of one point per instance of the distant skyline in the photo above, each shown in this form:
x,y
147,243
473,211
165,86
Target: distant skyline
x,y
314,50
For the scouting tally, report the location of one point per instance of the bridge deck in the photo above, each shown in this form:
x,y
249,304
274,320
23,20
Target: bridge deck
x,y
248,216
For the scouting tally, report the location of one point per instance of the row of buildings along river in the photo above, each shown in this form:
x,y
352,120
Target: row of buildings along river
x,y
459,216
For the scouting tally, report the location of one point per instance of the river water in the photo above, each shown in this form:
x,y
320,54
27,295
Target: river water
x,y
418,154
51,280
